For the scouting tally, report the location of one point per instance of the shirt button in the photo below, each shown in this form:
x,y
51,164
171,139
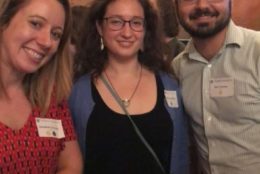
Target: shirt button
x,y
209,118
209,65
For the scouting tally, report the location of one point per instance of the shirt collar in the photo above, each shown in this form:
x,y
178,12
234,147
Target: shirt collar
x,y
234,35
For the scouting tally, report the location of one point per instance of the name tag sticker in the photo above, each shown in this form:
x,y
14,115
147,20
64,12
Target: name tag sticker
x,y
171,98
222,87
51,128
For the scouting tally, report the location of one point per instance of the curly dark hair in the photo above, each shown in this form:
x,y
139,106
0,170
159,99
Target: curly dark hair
x,y
93,59
78,14
169,17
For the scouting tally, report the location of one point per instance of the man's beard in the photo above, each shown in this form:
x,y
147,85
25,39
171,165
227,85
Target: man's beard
x,y
203,30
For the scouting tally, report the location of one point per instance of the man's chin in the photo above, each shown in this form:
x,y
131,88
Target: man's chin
x,y
204,32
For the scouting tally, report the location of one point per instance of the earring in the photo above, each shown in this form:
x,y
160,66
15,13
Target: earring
x,y
101,44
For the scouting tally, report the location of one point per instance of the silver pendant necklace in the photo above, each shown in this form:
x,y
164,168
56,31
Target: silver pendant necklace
x,y
126,101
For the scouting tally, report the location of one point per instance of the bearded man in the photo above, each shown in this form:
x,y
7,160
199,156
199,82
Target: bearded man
x,y
219,74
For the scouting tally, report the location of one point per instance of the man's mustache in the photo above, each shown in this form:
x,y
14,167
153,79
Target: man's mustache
x,y
202,12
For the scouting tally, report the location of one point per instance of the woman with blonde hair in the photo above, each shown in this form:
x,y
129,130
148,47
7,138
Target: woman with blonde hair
x,y
36,131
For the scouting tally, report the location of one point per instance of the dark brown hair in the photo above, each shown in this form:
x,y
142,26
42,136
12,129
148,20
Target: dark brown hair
x,y
169,17
93,59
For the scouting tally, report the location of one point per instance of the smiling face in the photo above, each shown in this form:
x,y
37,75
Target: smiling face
x,y
125,42
33,35
203,19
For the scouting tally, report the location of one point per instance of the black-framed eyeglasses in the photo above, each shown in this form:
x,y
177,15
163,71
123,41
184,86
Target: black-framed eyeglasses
x,y
116,23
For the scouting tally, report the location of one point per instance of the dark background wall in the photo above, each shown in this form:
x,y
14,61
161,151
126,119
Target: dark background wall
x,y
245,13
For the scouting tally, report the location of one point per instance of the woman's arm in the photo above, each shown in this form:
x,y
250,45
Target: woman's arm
x,y
70,160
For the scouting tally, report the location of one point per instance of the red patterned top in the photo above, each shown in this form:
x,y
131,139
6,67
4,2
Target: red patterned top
x,y
23,151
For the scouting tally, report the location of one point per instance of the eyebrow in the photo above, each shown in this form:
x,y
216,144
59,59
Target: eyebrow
x,y
120,16
44,19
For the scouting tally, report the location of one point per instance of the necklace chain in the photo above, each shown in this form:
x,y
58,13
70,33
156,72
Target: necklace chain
x,y
126,101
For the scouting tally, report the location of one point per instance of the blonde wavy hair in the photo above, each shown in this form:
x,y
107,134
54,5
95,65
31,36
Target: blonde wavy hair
x,y
55,77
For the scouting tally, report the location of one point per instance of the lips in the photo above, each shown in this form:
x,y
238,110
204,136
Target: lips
x,y
125,43
34,54
199,13
203,19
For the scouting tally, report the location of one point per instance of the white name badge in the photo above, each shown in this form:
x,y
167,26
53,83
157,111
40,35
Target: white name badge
x,y
222,87
51,128
171,98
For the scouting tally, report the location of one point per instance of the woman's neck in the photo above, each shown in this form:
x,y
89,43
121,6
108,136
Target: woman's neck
x,y
130,67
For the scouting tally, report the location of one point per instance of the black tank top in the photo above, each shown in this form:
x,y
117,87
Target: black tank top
x,y
112,146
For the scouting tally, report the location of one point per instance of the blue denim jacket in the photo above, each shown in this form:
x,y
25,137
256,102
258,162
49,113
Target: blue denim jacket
x,y
81,105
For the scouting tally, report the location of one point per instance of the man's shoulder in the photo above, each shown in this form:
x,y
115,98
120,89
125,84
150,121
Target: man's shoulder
x,y
179,58
177,61
248,30
249,34
251,39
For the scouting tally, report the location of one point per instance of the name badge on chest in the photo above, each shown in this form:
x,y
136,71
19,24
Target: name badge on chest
x,y
51,128
222,87
171,98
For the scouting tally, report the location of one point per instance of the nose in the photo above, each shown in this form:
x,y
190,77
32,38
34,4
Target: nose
x,y
126,30
202,3
44,39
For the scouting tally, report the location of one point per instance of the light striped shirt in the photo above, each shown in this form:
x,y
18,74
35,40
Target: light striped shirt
x,y
222,96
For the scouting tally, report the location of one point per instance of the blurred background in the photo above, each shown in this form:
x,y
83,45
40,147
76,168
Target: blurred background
x,y
245,13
